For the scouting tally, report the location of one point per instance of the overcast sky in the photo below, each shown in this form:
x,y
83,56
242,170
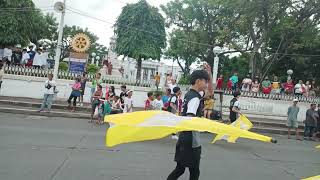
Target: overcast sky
x,y
107,10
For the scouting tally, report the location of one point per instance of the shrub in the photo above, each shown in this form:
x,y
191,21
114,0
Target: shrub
x,y
92,69
63,66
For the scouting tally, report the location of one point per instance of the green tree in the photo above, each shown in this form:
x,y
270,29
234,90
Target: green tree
x,y
21,23
140,31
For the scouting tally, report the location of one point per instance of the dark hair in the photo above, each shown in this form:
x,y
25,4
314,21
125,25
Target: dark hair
x,y
84,73
169,90
124,86
117,97
112,88
99,86
24,49
99,74
176,89
50,74
198,74
236,94
150,94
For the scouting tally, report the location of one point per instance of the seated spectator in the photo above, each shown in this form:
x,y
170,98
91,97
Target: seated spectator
x,y
266,86
229,85
246,84
288,87
255,86
275,86
299,88
148,103
165,99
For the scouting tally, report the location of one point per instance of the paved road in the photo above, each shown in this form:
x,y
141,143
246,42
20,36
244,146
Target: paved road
x,y
42,148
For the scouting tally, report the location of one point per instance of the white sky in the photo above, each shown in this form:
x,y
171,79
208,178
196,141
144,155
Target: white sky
x,y
107,10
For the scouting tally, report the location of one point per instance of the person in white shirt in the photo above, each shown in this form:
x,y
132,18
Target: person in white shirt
x,y
44,58
7,54
25,57
246,84
37,61
299,88
158,103
50,89
128,102
172,85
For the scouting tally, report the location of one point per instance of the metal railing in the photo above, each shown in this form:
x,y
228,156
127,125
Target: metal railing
x,y
38,72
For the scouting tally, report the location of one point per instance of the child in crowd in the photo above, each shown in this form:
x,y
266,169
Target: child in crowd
x,y
95,102
116,105
104,109
76,92
157,103
208,106
148,103
128,102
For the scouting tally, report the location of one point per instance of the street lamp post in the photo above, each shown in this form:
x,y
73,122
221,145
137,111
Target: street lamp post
x,y
216,50
93,56
98,60
59,45
289,72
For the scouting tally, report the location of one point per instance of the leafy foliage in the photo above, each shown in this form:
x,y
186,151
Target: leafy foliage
x,y
63,66
92,69
140,33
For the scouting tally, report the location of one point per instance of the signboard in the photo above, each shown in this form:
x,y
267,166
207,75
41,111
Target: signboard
x,y
77,62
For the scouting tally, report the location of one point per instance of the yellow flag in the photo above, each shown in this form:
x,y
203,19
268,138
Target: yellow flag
x,y
318,146
242,123
312,178
150,125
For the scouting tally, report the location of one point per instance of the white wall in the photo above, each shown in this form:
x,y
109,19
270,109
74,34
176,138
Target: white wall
x,y
33,87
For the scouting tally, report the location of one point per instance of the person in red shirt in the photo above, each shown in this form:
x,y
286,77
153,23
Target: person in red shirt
x,y
148,103
220,82
288,87
229,85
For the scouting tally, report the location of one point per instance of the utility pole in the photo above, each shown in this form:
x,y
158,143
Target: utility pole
x,y
60,7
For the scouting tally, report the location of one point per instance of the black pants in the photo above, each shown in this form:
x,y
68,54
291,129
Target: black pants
x,y
74,100
179,170
0,84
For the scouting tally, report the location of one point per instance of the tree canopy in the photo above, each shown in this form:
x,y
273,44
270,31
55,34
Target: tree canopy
x,y
140,31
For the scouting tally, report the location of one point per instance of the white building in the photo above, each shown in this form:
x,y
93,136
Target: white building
x,y
148,70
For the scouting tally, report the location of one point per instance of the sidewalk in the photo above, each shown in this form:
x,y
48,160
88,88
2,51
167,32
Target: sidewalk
x,y
29,106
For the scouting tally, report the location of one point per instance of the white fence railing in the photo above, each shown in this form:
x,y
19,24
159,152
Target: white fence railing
x,y
37,72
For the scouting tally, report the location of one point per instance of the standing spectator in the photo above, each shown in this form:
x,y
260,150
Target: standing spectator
x,y
128,102
123,94
255,86
299,88
44,58
266,86
165,99
275,86
157,79
32,54
148,103
180,102
220,82
17,55
208,105
157,103
318,123
37,60
95,82
7,55
168,79
234,107
229,85
172,85
246,84
111,92
1,73
288,87
84,80
310,122
312,88
234,79
173,106
75,93
25,57
293,118
1,52
307,88
95,102
50,89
